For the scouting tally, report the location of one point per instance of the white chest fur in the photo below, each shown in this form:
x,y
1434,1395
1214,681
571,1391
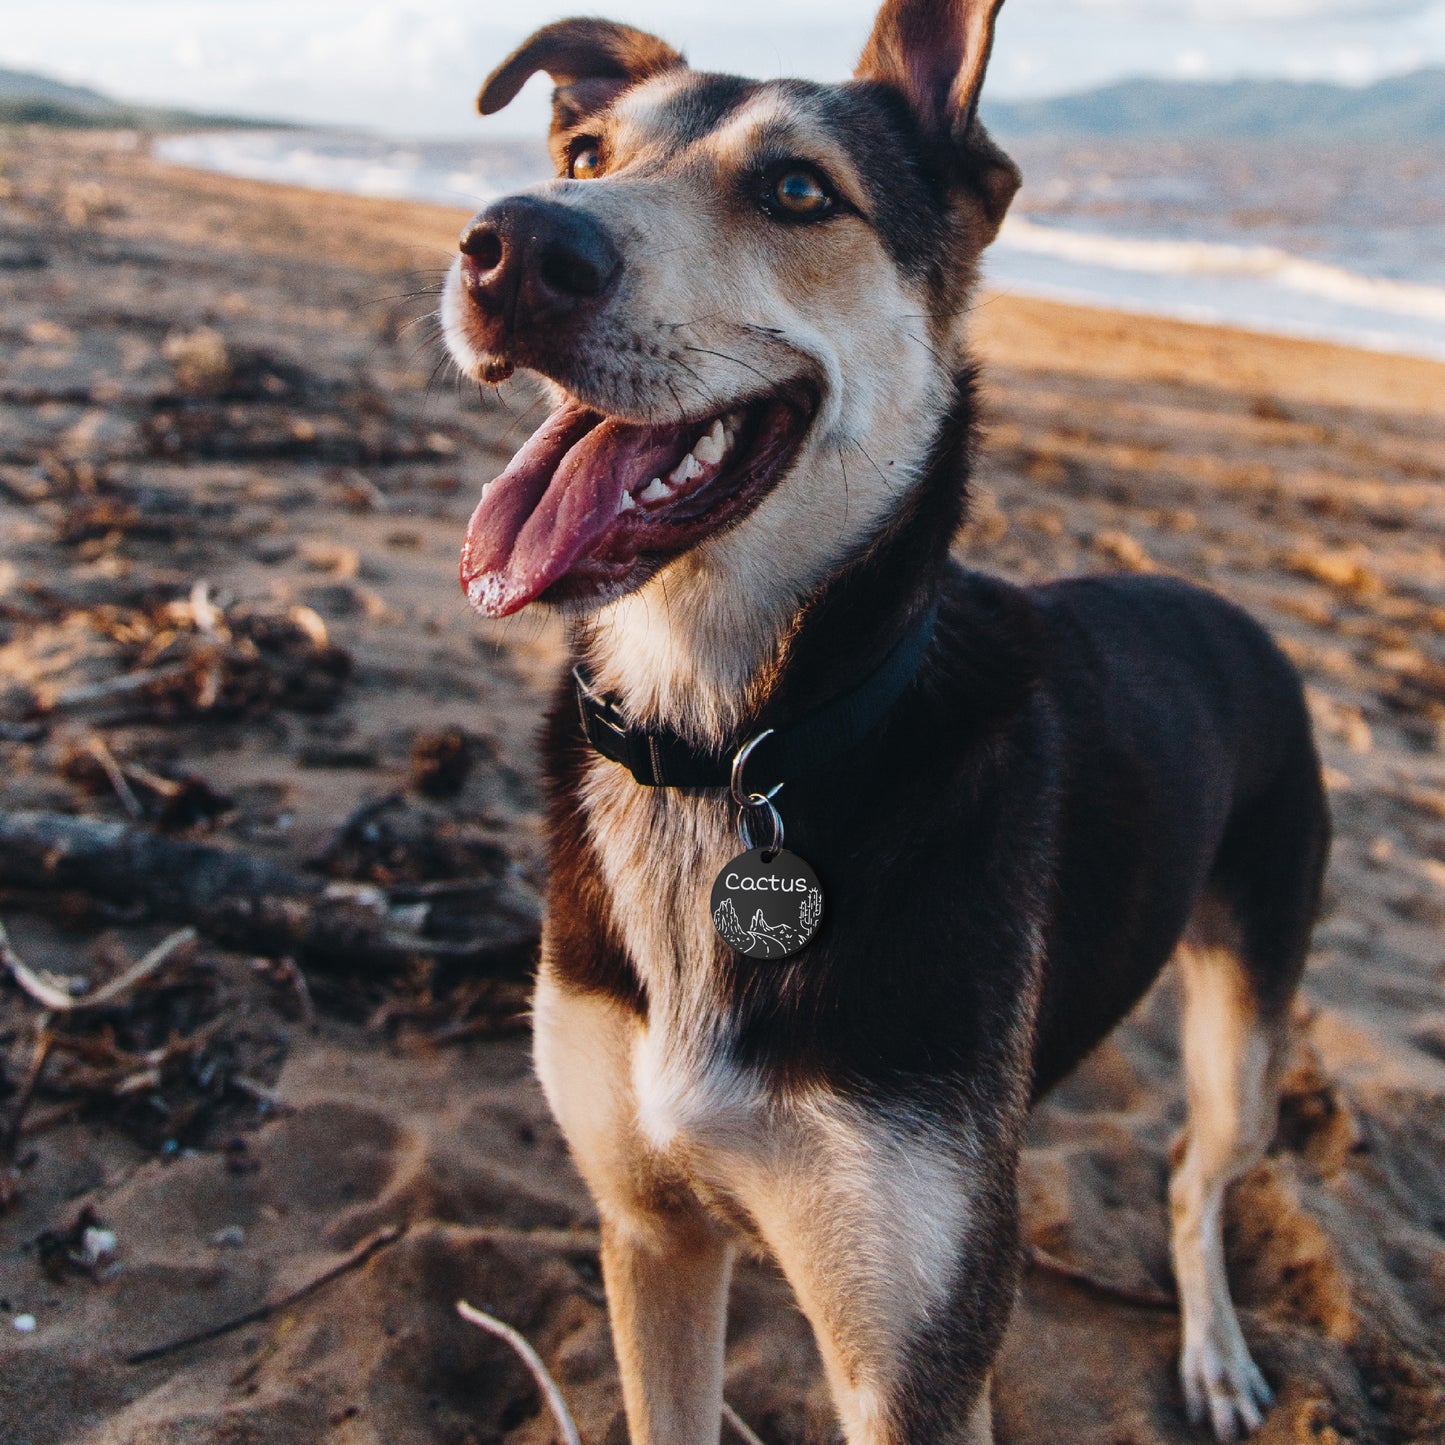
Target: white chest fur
x,y
659,851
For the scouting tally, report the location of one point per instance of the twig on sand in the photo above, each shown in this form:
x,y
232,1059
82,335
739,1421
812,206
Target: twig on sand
x,y
533,1361
740,1426
354,1260
548,1386
1149,1299
58,1001
88,694
39,1057
113,771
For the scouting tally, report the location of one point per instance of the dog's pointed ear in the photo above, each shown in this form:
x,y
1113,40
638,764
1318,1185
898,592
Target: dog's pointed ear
x,y
936,52
591,62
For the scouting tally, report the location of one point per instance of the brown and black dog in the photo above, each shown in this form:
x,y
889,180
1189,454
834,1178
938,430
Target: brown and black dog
x,y
748,298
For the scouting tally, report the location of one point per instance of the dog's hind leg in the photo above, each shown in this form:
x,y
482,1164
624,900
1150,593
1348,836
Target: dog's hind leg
x,y
1229,1051
1240,963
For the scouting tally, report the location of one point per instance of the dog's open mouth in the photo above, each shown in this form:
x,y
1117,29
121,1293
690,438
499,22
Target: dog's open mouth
x,y
591,506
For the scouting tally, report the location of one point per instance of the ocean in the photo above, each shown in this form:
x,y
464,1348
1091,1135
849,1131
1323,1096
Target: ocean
x,y
1343,243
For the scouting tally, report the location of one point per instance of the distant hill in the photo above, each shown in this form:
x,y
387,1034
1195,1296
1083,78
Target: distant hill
x,y
27,99
1401,108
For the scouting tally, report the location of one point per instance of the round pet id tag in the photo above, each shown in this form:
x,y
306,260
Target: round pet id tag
x,y
767,903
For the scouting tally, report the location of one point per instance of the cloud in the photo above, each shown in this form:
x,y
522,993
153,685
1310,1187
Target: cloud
x,y
413,66
1246,13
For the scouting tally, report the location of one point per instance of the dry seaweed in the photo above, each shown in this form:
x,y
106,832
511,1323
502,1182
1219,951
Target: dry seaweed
x,y
390,841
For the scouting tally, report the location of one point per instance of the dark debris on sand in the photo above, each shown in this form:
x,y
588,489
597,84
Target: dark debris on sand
x,y
210,454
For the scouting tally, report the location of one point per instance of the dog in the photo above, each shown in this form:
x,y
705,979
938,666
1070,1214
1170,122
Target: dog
x,y
748,302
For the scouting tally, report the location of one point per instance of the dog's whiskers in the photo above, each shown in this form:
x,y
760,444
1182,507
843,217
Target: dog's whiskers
x,y
930,349
426,316
521,419
882,475
436,371
735,360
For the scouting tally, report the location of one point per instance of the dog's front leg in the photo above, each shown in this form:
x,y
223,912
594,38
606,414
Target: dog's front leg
x,y
900,1240
667,1301
666,1265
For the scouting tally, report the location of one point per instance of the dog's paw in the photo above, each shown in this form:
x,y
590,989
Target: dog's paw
x,y
1223,1386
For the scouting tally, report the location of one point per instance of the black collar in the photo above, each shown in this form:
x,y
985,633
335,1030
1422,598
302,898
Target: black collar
x,y
665,760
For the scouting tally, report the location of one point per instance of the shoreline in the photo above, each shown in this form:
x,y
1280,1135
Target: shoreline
x,y
1168,347
1241,283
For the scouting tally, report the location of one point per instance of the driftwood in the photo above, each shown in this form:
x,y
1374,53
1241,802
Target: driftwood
x,y
353,1261
249,903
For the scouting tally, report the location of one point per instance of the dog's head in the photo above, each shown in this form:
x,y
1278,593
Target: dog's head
x,y
745,294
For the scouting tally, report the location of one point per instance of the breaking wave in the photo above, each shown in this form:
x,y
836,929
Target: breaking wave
x,y
450,173
1208,258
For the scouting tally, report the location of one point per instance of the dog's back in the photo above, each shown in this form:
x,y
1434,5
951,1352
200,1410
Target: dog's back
x,y
1193,792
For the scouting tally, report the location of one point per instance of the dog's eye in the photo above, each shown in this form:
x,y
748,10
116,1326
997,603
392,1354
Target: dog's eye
x,y
798,194
584,159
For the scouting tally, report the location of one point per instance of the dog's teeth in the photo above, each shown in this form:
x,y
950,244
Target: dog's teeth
x,y
626,504
711,448
655,491
688,468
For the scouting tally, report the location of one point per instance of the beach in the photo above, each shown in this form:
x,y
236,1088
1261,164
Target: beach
x,y
234,476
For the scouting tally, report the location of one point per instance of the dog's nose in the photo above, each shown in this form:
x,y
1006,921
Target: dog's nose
x,y
526,259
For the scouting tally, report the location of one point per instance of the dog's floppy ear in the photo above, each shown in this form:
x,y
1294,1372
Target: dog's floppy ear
x,y
936,52
591,62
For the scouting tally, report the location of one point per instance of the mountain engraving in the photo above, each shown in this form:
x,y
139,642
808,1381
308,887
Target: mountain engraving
x,y
760,939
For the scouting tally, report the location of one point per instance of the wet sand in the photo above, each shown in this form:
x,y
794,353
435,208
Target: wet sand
x,y
208,381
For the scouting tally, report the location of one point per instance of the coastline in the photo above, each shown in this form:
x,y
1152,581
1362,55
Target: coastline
x,y
1281,271
205,379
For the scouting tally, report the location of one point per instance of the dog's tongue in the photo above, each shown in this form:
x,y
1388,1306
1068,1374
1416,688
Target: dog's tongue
x,y
556,501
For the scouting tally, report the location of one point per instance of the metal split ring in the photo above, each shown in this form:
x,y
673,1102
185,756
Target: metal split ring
x,y
742,796
750,804
748,810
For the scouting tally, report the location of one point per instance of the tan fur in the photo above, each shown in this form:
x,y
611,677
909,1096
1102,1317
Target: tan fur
x,y
666,1262
1229,1056
864,1216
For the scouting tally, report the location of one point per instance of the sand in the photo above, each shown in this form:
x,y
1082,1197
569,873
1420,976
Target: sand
x,y
205,379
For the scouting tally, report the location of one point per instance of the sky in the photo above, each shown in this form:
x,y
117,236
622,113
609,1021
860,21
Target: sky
x,y
412,67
